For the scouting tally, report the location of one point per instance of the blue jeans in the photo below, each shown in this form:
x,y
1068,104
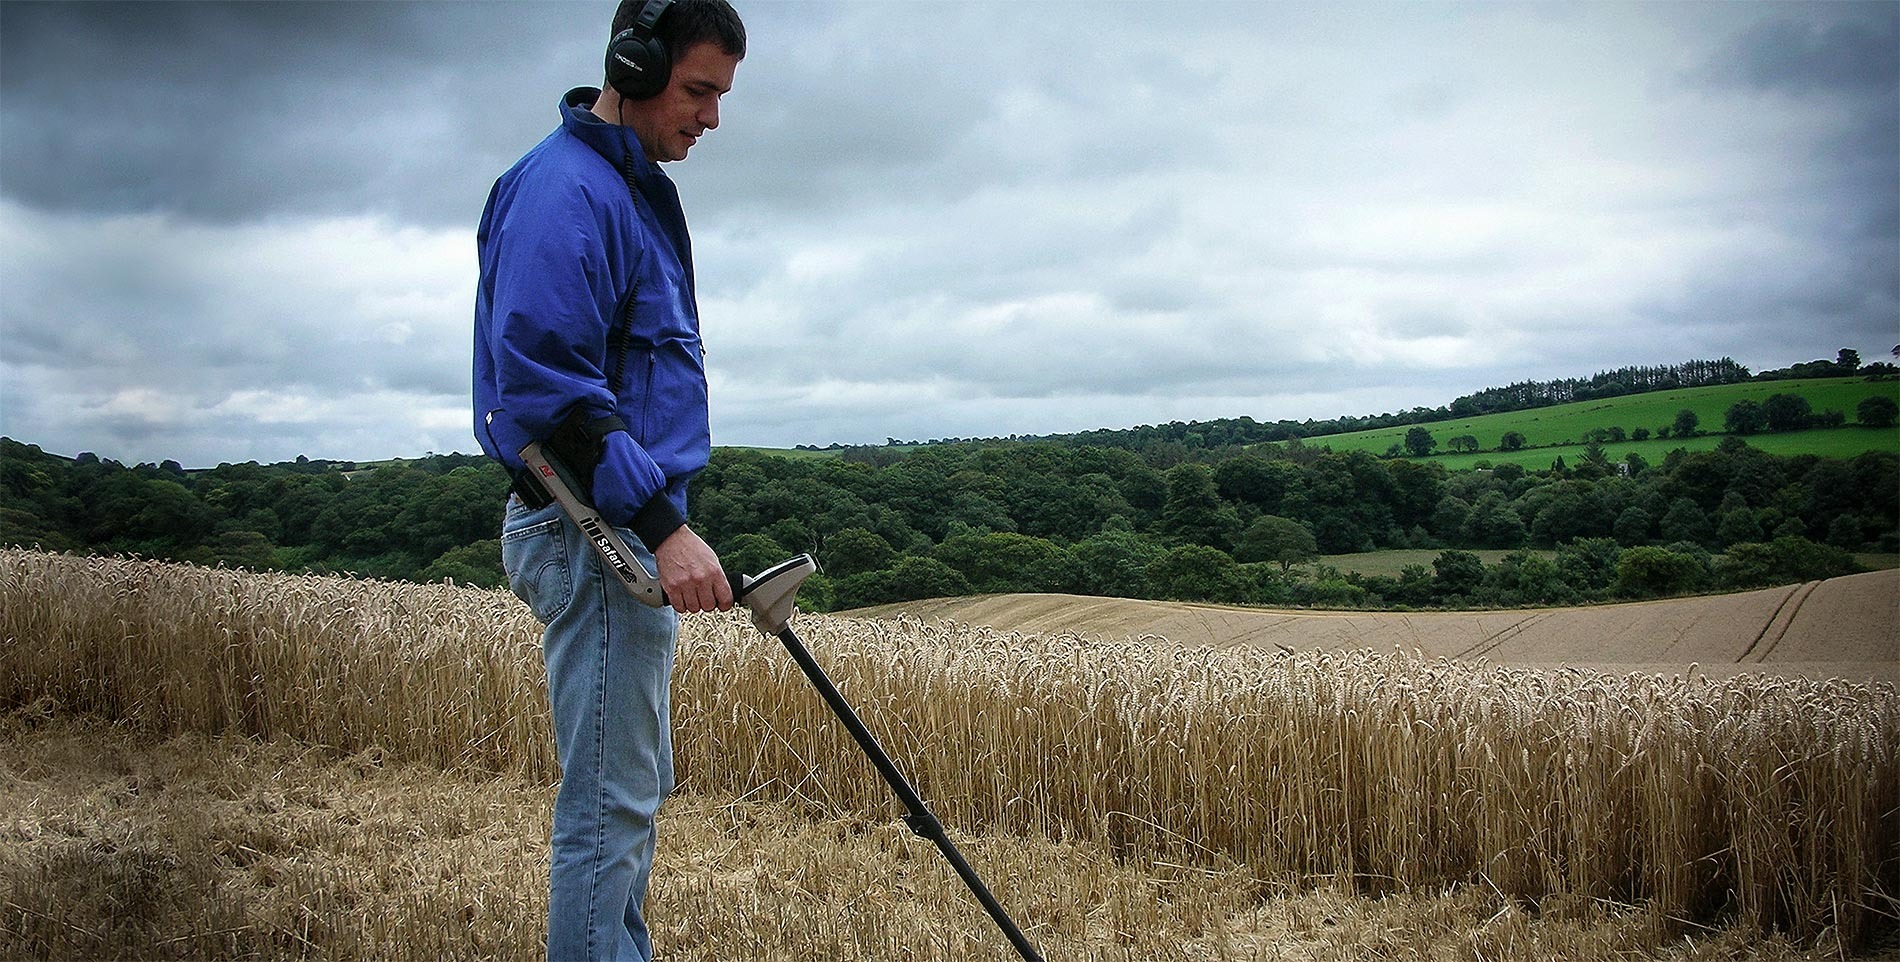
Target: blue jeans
x,y
609,661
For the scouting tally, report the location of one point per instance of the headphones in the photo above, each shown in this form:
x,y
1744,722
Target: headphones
x,y
638,65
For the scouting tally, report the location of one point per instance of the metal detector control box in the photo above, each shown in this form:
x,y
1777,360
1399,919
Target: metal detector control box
x,y
560,484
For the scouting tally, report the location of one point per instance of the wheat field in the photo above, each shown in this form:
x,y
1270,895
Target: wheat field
x,y
1767,803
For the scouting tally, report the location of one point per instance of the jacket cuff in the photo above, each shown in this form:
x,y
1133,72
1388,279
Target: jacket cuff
x,y
656,521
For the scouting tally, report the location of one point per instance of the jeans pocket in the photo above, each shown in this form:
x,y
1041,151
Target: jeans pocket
x,y
535,559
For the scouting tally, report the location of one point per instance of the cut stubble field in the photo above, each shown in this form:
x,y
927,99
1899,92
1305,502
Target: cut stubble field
x,y
201,763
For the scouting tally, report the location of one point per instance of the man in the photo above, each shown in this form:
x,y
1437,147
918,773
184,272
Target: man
x,y
587,340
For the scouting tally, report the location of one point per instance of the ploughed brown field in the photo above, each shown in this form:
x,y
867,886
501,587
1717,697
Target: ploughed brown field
x,y
1842,627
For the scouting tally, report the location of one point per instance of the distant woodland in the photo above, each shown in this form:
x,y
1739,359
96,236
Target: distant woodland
x,y
1230,522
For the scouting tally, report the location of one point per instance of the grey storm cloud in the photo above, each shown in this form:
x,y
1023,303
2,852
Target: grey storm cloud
x,y
1804,57
238,230
233,111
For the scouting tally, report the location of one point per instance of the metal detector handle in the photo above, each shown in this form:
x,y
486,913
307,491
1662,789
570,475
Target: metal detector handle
x,y
771,593
561,485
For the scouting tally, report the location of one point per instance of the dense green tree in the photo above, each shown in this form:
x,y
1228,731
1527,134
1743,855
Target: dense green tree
x,y
856,550
1449,517
909,579
749,554
1523,578
1114,562
1198,573
1260,482
1282,541
477,564
1685,521
1745,417
1413,491
1650,572
1736,521
1703,477
234,549
1146,490
1004,561
1493,524
1456,574
1783,561
1686,424
1419,442
30,530
1846,532
1787,412
1194,513
1331,591
1633,526
1877,411
1414,586
445,511
1562,517
1511,441
1589,565
793,534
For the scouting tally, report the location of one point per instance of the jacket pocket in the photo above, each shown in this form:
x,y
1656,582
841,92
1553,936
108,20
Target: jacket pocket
x,y
645,359
535,560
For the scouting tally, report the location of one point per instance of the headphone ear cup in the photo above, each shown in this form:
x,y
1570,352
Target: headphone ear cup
x,y
637,66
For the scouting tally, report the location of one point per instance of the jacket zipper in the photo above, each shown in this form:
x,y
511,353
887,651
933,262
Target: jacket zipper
x,y
620,341
646,396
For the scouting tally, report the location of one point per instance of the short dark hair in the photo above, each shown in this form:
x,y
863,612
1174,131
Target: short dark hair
x,y
688,22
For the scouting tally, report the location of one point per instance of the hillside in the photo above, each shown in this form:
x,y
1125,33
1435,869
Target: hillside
x,y
1567,424
1843,627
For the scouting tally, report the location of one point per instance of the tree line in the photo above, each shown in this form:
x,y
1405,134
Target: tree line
x,y
1231,525
1520,396
1525,395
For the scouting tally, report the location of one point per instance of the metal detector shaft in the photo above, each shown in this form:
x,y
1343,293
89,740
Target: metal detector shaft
x,y
770,595
919,819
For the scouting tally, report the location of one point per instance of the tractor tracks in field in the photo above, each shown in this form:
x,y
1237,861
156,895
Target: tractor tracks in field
x,y
1777,626
1497,639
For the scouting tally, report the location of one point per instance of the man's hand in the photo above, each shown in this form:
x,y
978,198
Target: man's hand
x,y
690,573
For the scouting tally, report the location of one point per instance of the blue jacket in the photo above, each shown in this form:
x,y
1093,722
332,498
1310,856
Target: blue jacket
x,y
562,245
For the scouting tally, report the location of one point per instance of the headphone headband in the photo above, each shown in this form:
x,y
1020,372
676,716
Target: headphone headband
x,y
649,17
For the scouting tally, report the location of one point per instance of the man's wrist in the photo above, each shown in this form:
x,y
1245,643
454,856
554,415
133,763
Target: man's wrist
x,y
656,521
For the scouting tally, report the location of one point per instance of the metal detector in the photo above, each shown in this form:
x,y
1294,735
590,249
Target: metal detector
x,y
770,595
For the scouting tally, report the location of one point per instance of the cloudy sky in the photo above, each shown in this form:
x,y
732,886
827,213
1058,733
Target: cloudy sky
x,y
234,232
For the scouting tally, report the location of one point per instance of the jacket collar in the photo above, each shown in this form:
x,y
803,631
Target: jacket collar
x,y
618,145
612,141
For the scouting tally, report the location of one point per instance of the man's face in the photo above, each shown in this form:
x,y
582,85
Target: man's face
x,y
668,125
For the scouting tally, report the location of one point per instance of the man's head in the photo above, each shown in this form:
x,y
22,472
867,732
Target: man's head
x,y
687,22
702,42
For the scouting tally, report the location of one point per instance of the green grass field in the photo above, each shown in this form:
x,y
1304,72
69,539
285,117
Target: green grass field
x,y
1824,442
1389,563
1560,429
793,453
